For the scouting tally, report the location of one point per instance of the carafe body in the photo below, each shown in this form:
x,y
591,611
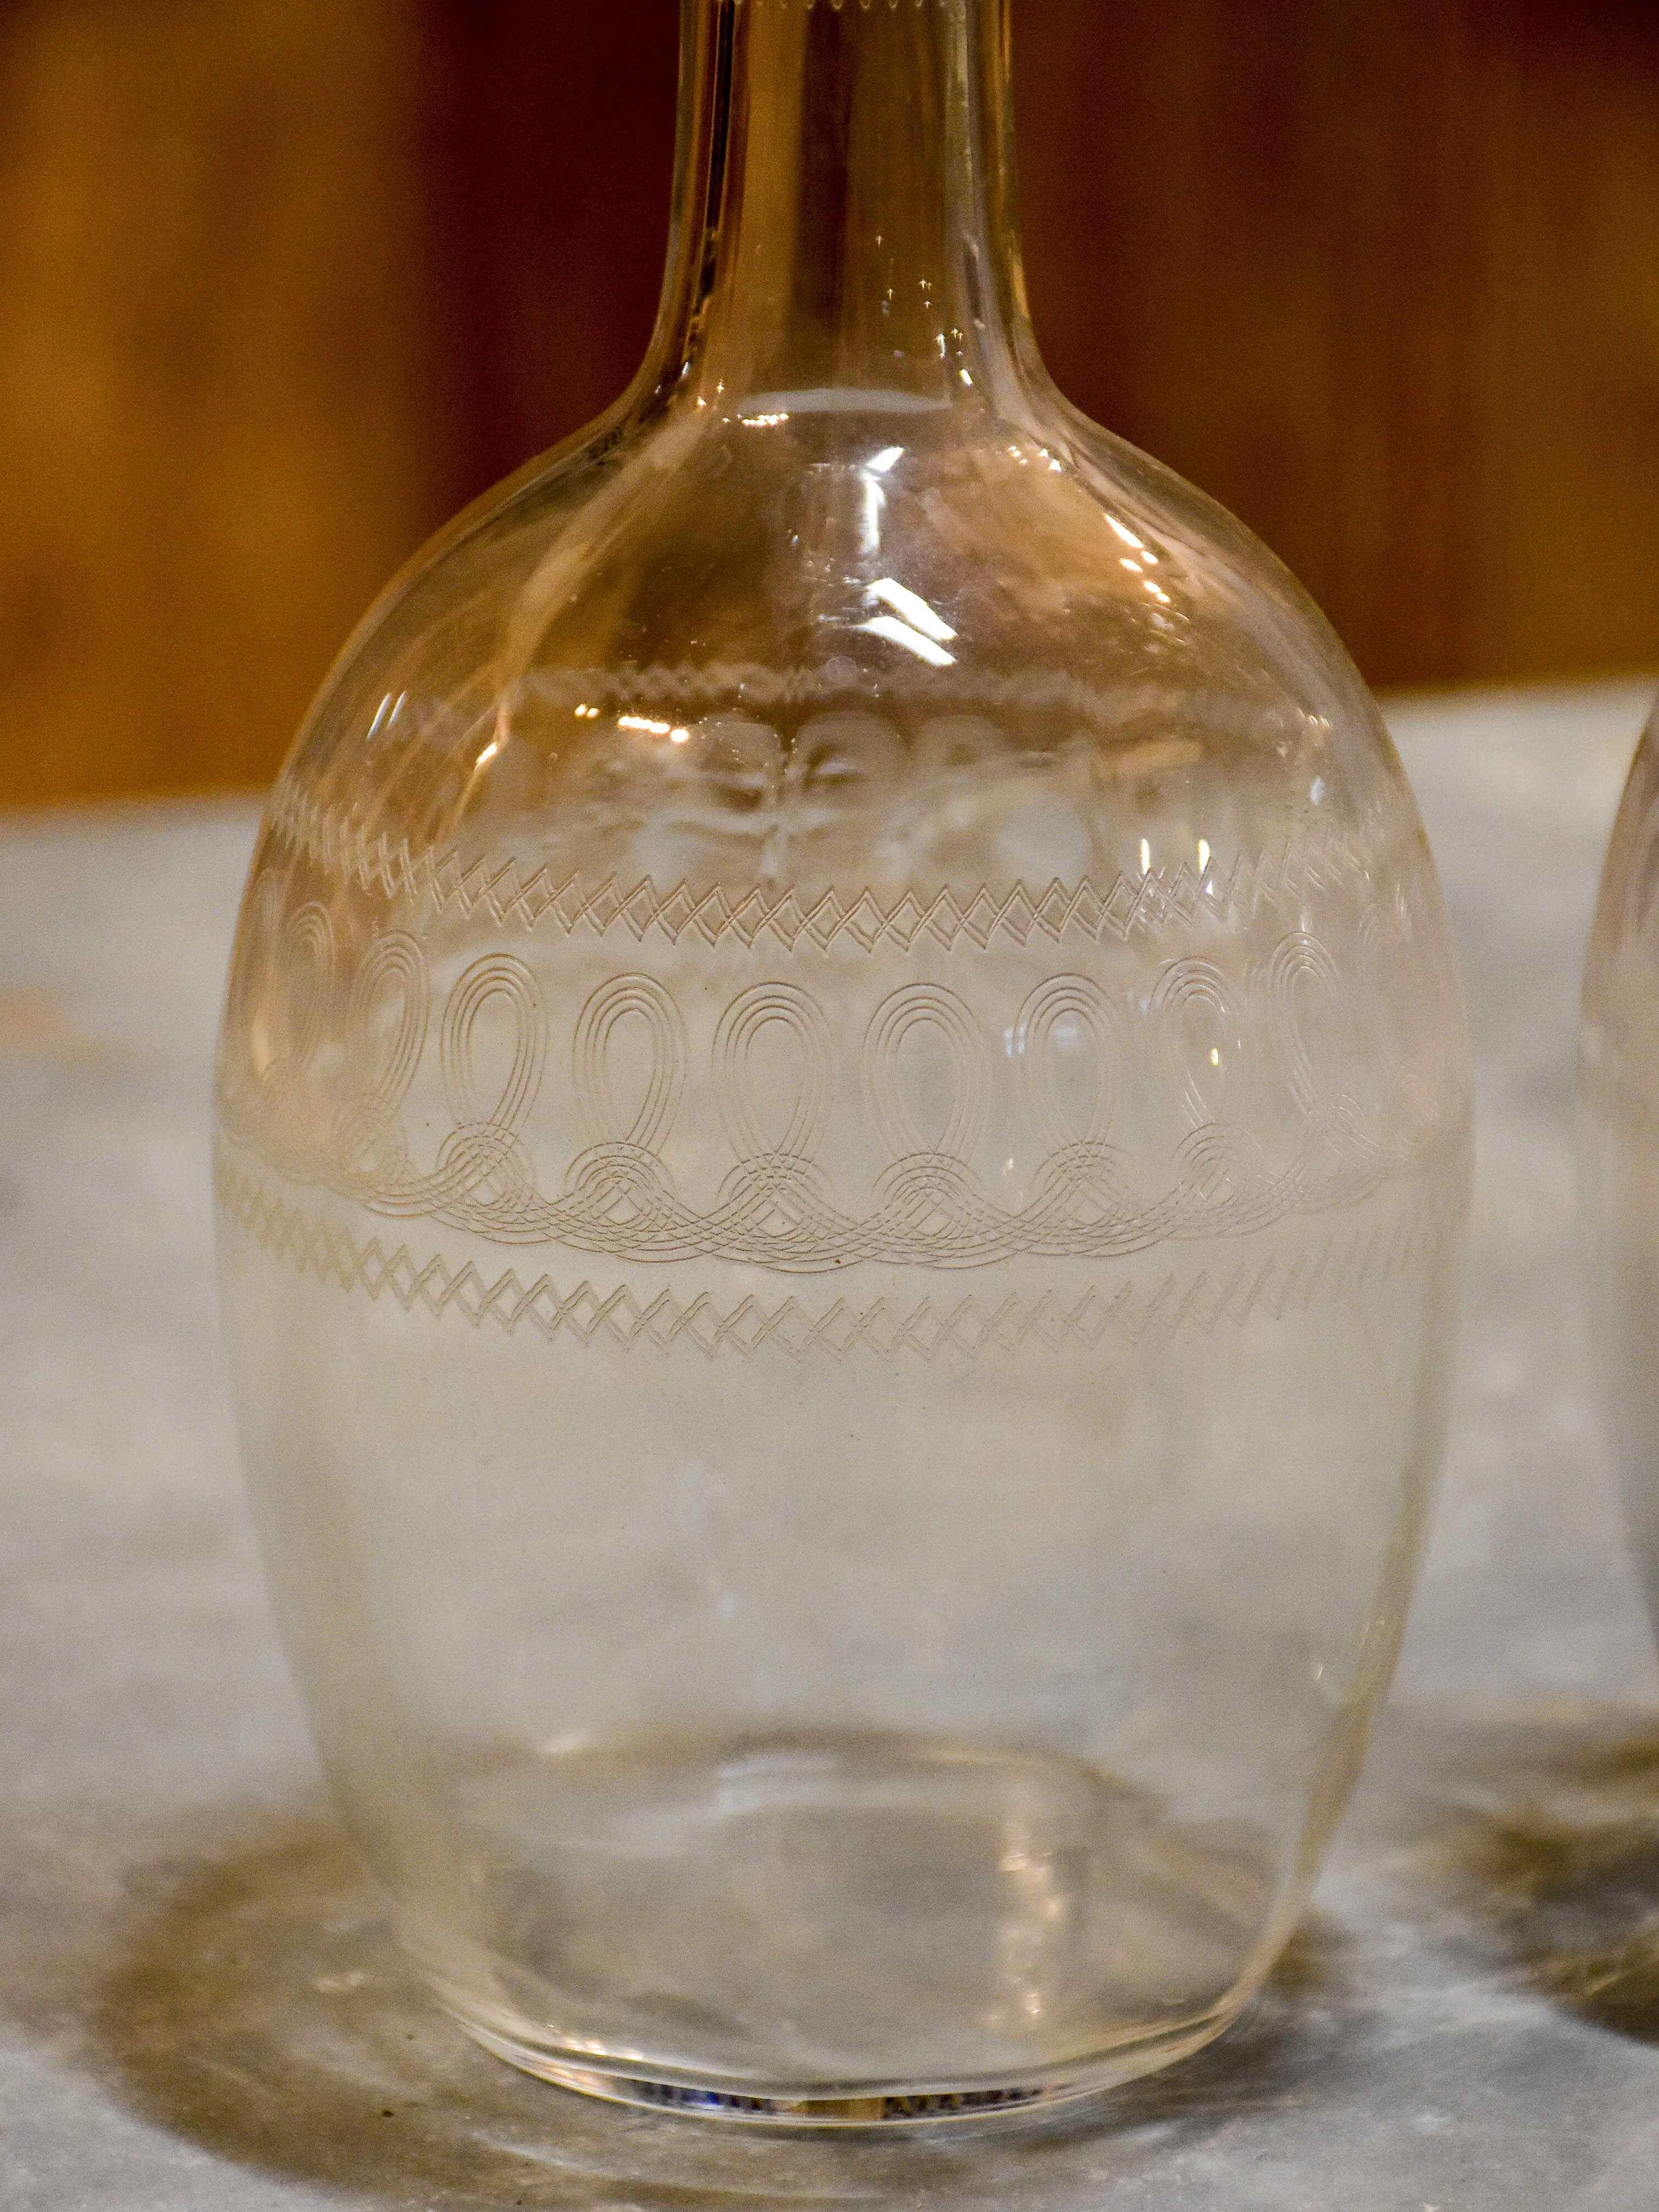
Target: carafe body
x,y
843,1129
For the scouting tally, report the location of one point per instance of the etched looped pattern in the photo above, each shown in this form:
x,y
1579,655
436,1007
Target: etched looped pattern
x,y
499,977
1062,1014
1201,1027
785,1006
986,1131
925,1007
628,998
379,1068
384,1070
253,979
308,959
1301,967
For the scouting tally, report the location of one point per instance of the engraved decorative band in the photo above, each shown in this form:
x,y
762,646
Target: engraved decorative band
x,y
1339,1264
342,1126
507,892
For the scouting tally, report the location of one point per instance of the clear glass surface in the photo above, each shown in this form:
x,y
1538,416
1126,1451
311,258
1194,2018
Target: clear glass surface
x,y
1618,1151
843,1129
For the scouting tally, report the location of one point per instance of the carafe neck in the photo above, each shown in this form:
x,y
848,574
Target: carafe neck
x,y
844,227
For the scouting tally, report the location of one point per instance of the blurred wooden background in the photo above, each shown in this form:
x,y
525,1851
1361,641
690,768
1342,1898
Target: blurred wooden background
x,y
282,282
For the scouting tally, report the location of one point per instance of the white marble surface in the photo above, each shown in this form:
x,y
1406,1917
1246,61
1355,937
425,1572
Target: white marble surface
x,y
198,2008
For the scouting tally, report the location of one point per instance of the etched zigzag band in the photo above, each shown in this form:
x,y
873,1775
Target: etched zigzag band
x,y
1135,905
1333,1267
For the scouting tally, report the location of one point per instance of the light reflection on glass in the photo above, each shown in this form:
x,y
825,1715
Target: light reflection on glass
x,y
912,608
900,633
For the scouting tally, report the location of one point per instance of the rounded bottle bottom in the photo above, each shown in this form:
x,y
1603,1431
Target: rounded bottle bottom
x,y
865,2105
835,1930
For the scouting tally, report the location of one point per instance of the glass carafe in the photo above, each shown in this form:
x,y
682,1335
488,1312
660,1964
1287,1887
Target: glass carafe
x,y
1618,1151
843,1127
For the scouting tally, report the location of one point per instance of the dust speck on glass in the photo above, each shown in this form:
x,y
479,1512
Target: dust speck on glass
x,y
843,1136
